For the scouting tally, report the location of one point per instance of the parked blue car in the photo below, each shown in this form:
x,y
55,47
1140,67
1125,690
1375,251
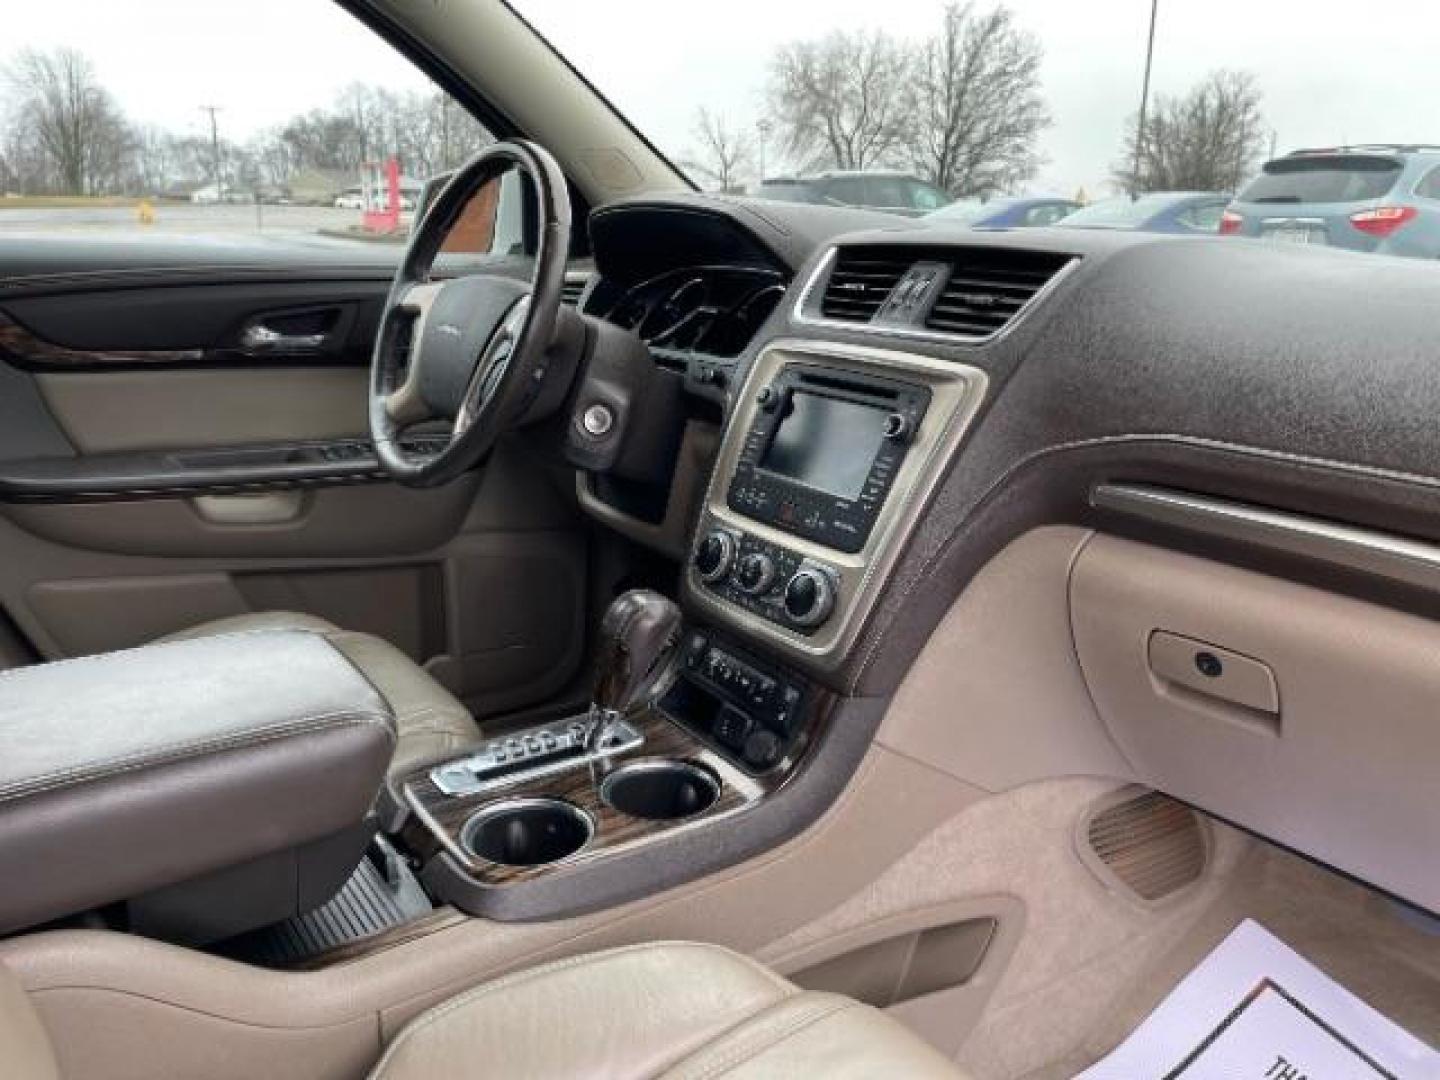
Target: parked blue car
x,y
1010,212
1382,199
1192,212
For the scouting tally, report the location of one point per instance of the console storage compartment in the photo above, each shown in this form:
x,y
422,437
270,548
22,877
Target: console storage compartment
x,y
212,785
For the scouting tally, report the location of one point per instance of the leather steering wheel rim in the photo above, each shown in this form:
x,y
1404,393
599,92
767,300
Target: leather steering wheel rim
x,y
509,327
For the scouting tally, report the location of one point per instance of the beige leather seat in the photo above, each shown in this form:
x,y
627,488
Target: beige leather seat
x,y
674,1011
429,721
677,1011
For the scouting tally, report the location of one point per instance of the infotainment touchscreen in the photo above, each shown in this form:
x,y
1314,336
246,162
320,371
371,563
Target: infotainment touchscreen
x,y
826,443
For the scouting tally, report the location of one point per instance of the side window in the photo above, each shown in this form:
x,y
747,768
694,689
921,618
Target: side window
x,y
1429,186
849,190
1204,218
177,131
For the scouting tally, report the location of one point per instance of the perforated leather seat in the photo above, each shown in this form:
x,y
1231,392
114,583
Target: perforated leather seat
x,y
672,1010
429,721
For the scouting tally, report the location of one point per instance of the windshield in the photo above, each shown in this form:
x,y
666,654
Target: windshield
x,y
1024,98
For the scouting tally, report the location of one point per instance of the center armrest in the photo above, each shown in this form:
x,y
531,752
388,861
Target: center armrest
x,y
128,772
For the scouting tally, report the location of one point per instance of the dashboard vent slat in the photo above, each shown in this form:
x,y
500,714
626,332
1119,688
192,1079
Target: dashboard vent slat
x,y
988,287
859,285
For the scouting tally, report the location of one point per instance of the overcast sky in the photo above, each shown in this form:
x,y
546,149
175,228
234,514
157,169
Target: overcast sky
x,y
1353,75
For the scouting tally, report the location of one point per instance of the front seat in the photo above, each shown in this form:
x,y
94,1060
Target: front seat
x,y
429,722
673,1011
677,1011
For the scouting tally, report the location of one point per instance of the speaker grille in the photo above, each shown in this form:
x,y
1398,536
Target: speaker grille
x,y
1151,844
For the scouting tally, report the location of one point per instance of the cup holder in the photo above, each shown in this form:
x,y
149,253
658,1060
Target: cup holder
x,y
660,790
527,832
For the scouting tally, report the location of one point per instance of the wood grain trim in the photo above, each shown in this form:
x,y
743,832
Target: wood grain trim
x,y
28,348
439,818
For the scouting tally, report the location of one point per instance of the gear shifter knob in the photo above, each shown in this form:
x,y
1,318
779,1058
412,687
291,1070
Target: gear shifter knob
x,y
638,649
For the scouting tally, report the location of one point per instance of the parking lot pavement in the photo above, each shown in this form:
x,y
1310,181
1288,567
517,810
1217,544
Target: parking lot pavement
x,y
289,223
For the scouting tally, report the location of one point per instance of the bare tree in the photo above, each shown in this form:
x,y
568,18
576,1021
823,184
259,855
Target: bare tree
x,y
841,101
1208,140
978,111
722,152
82,138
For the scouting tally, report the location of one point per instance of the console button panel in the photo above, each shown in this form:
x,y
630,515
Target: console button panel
x,y
750,712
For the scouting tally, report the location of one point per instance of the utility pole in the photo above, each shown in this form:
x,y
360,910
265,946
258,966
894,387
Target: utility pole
x,y
763,128
1144,102
215,149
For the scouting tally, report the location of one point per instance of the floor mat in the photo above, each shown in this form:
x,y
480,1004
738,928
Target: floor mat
x,y
1256,1008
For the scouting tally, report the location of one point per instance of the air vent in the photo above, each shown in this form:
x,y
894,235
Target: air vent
x,y
861,281
1146,843
571,290
988,287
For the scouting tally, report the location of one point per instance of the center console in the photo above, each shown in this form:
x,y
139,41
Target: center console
x,y
828,460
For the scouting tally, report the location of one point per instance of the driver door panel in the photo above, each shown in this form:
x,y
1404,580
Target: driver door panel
x,y
156,472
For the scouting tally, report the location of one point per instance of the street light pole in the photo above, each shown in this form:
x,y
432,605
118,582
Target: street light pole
x,y
215,149
1144,102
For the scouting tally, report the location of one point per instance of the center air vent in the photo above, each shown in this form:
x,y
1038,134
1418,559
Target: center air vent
x,y
861,281
988,287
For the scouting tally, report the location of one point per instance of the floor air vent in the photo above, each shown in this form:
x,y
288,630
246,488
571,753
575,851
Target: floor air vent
x,y
1145,843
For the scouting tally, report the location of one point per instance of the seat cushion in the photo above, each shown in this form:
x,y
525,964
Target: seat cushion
x,y
429,722
674,1010
25,1052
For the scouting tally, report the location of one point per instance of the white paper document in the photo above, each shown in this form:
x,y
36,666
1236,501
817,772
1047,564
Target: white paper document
x,y
1256,1010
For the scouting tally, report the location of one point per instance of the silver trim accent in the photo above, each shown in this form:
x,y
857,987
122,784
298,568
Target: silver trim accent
x,y
728,548
957,392
921,333
483,773
1380,554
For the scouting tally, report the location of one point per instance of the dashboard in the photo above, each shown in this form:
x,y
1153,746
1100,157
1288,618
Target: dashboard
x,y
917,399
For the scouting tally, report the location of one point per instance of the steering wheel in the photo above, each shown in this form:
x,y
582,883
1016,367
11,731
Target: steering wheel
x,y
472,350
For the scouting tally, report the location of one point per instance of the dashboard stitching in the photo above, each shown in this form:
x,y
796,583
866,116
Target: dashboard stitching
x,y
928,567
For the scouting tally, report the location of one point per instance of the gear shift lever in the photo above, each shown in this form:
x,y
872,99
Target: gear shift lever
x,y
638,657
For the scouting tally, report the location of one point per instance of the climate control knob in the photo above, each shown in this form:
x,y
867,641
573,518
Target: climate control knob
x,y
809,597
755,573
715,556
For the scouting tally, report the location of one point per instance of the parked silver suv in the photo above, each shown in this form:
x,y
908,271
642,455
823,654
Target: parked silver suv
x,y
1383,199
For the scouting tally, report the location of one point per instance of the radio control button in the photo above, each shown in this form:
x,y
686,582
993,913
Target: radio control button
x,y
714,556
755,573
809,597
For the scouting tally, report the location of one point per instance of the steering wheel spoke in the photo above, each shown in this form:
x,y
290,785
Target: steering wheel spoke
x,y
473,348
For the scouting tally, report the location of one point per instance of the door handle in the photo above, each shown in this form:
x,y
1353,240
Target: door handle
x,y
259,338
